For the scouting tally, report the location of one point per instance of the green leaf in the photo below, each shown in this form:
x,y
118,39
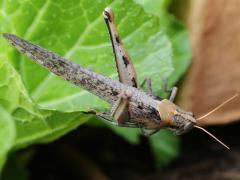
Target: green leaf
x,y
132,135
176,33
182,53
22,122
165,147
48,128
156,7
7,134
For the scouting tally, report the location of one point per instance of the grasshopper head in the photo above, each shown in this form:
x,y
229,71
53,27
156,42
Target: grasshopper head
x,y
182,121
175,118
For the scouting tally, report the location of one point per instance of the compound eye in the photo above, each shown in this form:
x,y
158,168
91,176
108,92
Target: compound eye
x,y
188,126
190,113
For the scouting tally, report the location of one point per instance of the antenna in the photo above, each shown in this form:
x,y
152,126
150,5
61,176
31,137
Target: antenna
x,y
218,107
201,128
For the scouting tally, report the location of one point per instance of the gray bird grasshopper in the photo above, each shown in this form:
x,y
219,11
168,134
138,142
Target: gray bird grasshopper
x,y
131,106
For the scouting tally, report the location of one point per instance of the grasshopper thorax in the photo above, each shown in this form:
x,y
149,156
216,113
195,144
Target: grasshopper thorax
x,y
174,117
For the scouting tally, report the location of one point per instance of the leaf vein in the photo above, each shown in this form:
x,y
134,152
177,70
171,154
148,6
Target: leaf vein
x,y
68,55
36,20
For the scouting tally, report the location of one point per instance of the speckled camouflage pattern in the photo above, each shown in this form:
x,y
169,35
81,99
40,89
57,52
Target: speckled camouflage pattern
x,y
142,106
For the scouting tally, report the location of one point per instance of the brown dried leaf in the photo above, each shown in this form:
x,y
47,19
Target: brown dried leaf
x,y
215,73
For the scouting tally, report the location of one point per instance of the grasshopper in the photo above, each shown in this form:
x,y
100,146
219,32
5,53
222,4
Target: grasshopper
x,y
131,106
